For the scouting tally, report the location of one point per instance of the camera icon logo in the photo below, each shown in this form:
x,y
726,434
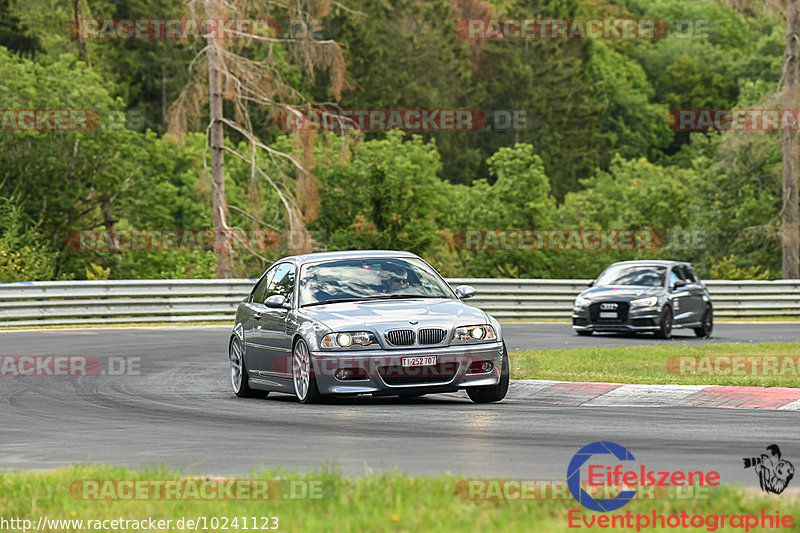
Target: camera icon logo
x,y
774,473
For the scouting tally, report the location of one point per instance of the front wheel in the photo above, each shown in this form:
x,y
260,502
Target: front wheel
x,y
493,393
707,325
305,384
584,332
665,327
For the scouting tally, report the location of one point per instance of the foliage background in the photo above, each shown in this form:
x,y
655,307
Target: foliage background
x,y
597,152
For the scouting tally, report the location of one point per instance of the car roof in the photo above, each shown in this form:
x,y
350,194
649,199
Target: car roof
x,y
348,254
652,262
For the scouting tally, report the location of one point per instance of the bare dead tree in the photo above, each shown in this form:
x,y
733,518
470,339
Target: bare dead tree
x,y
231,75
790,222
77,22
216,137
788,97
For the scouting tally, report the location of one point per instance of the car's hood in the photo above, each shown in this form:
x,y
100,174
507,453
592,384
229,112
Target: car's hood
x,y
620,292
382,314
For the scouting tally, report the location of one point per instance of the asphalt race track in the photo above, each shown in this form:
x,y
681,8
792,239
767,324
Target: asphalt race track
x,y
533,336
169,402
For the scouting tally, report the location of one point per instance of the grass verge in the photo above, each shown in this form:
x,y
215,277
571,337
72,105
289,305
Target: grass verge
x,y
660,364
377,502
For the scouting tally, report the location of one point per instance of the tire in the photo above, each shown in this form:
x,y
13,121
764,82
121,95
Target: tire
x,y
305,383
584,332
239,380
493,393
665,327
707,325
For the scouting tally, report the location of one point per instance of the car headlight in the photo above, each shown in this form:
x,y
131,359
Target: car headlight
x,y
580,301
645,302
481,332
345,339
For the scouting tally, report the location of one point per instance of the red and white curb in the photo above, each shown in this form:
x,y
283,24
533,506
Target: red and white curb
x,y
622,395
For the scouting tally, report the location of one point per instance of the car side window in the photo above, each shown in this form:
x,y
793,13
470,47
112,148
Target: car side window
x,y
282,281
688,275
673,276
259,293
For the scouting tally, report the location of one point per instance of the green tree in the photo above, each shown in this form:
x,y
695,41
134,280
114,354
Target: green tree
x,y
386,197
633,194
518,199
24,253
406,54
634,125
105,176
14,35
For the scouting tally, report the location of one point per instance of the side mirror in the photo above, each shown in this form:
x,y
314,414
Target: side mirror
x,y
465,291
678,284
277,301
590,284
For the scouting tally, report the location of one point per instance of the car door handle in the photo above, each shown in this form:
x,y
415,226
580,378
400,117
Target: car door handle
x,y
257,316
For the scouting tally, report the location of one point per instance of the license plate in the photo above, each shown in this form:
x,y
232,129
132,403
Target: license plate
x,y
608,315
418,361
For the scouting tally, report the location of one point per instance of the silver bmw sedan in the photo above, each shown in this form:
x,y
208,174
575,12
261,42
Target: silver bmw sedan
x,y
364,322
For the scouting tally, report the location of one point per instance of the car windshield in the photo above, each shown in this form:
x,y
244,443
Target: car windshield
x,y
647,276
370,279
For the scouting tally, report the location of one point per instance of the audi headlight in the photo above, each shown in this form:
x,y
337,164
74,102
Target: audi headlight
x,y
580,301
645,302
481,332
345,339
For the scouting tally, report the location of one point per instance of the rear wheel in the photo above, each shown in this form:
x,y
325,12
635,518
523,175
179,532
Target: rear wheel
x,y
584,332
707,325
305,384
239,380
493,393
665,326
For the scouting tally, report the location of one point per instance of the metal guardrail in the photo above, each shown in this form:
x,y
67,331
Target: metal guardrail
x,y
543,298
45,303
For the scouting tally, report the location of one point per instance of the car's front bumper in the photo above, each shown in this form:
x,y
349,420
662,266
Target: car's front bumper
x,y
637,319
382,371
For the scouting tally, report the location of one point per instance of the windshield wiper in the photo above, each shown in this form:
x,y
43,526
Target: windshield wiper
x,y
404,296
372,298
337,301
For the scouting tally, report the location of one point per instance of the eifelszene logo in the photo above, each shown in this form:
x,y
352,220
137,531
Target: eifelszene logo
x,y
774,473
600,474
574,476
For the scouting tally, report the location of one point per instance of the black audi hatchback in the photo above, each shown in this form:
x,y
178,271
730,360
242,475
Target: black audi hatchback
x,y
642,296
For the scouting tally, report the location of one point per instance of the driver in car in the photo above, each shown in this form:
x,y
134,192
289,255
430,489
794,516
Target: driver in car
x,y
396,279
